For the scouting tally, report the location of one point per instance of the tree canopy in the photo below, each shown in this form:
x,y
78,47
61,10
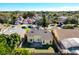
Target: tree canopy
x,y
8,43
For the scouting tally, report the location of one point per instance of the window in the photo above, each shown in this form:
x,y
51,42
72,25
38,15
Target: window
x,y
38,40
43,42
31,40
50,42
45,32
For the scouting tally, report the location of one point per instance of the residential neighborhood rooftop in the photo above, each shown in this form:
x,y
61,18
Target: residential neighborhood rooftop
x,y
67,37
70,42
2,26
15,29
66,33
44,34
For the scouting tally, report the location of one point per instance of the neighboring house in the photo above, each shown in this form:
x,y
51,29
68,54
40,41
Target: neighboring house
x,y
2,28
39,37
15,29
19,20
62,19
37,16
27,21
67,40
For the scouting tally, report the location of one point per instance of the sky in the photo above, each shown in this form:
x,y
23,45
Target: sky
x,y
39,6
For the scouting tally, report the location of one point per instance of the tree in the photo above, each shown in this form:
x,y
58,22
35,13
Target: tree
x,y
13,40
28,14
24,15
74,21
8,43
3,18
4,49
44,21
12,18
71,21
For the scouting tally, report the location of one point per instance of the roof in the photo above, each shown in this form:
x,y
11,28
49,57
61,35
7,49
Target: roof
x,y
40,33
66,33
17,29
62,18
2,26
70,42
68,37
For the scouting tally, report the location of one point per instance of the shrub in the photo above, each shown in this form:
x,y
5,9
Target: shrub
x,y
8,43
68,26
21,51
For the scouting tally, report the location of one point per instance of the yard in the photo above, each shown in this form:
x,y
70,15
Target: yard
x,y
29,45
33,51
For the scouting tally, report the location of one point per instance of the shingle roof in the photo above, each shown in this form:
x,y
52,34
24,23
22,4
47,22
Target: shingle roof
x,y
41,33
70,42
66,33
16,29
68,37
62,18
2,26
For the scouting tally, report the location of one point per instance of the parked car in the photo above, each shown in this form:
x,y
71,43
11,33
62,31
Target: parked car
x,y
60,24
30,27
24,27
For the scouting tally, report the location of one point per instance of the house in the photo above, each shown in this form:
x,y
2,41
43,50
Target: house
x,y
2,28
19,20
39,37
66,40
27,21
15,29
62,19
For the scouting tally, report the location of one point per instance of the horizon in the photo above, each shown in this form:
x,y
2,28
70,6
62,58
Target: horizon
x,y
39,6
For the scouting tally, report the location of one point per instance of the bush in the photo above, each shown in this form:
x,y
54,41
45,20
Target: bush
x,y
71,21
4,49
68,26
21,51
8,43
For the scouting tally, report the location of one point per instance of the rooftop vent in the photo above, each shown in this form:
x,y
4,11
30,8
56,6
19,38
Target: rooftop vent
x,y
45,31
32,31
